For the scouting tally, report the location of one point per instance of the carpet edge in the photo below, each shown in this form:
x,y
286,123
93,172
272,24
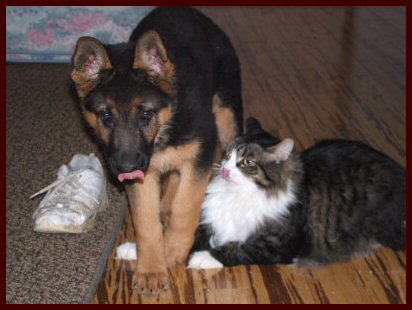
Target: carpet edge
x,y
101,265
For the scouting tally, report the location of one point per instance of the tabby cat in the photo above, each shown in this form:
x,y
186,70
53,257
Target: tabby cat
x,y
271,205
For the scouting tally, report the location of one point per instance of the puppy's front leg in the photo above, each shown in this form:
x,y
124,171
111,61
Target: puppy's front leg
x,y
185,213
150,275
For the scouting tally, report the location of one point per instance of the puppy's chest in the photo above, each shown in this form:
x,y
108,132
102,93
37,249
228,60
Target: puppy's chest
x,y
175,157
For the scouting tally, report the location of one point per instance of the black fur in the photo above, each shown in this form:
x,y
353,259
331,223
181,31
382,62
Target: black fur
x,y
205,60
349,196
205,64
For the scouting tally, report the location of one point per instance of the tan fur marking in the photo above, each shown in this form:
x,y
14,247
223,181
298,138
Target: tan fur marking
x,y
91,119
172,158
219,154
185,208
111,103
188,187
169,189
139,64
185,214
166,83
136,101
83,86
225,122
163,117
153,132
144,200
102,132
99,129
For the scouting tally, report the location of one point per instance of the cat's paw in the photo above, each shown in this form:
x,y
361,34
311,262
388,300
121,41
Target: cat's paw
x,y
203,260
126,251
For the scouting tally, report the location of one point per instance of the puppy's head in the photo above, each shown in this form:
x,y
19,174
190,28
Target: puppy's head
x,y
126,93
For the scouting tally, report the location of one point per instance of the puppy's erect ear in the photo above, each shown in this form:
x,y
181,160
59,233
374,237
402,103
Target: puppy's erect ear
x,y
89,60
281,151
151,56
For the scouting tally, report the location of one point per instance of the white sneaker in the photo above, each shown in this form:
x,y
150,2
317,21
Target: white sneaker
x,y
71,202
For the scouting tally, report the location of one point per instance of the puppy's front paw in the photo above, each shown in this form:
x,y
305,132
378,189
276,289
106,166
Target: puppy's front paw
x,y
150,283
203,260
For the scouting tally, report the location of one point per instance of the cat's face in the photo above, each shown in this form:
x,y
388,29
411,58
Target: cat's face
x,y
267,167
259,158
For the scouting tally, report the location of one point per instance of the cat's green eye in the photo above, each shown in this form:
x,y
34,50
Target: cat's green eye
x,y
248,162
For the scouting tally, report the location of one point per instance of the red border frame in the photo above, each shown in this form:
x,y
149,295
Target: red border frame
x,y
224,3
216,2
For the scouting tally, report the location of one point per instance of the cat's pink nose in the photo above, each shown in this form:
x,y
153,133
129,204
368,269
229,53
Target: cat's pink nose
x,y
225,173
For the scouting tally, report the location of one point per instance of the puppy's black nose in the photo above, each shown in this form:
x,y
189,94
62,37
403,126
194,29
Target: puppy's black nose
x,y
127,167
128,163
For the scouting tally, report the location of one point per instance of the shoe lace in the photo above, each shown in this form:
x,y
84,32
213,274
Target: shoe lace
x,y
70,179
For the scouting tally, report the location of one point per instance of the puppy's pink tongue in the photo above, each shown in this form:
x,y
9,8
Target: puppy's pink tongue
x,y
137,174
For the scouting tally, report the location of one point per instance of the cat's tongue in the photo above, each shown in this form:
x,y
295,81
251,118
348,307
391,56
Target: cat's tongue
x,y
137,174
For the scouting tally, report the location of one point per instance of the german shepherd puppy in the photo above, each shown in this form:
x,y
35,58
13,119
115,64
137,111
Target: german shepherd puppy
x,y
159,104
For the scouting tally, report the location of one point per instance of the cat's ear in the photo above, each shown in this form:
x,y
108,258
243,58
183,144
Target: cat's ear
x,y
281,151
151,56
89,60
253,125
255,133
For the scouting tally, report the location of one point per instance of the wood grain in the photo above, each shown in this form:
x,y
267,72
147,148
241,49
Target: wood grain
x,y
308,73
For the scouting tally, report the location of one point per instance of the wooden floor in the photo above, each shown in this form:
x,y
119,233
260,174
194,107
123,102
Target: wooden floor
x,y
308,73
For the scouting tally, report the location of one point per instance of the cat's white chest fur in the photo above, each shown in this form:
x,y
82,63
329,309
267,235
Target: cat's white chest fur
x,y
234,209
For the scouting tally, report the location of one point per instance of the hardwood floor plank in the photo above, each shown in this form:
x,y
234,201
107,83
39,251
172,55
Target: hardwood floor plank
x,y
309,73
258,287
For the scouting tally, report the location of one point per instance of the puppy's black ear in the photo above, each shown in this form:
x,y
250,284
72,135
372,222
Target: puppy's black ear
x,y
255,133
90,58
151,56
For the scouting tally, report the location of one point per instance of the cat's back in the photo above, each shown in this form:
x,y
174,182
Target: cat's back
x,y
341,153
355,195
353,159
344,164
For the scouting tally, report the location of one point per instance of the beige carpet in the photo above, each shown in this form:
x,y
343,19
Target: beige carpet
x,y
44,130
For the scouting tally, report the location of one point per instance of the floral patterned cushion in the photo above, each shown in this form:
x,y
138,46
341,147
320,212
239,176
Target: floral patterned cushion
x,y
49,34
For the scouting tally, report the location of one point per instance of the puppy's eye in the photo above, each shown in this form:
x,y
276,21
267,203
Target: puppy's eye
x,y
248,162
105,116
147,115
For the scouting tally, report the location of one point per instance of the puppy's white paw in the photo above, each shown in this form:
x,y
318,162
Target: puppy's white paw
x,y
203,260
126,251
